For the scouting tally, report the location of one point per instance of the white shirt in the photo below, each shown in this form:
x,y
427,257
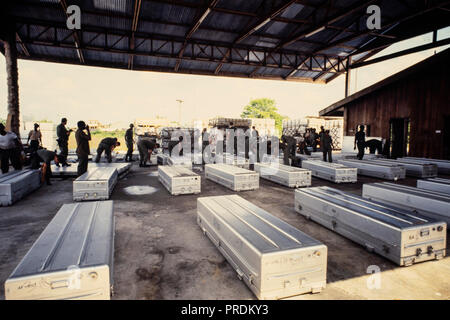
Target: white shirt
x,y
7,141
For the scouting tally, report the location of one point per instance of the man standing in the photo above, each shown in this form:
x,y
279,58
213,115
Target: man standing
x,y
129,139
327,146
145,148
10,148
82,146
63,141
107,145
36,138
360,141
205,139
289,145
314,139
321,136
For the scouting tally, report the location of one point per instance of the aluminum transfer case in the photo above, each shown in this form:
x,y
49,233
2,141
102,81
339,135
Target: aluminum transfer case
x,y
288,176
378,170
179,180
122,169
95,184
236,161
234,178
162,159
443,165
435,184
72,258
418,170
394,233
185,161
274,259
17,184
432,204
334,172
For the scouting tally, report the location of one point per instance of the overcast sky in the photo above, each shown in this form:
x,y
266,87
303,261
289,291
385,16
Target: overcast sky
x,y
51,91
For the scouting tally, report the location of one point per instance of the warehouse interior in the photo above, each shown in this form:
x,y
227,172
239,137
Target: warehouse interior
x,y
160,252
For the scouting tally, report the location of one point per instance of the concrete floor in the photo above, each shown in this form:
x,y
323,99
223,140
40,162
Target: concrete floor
x,y
160,252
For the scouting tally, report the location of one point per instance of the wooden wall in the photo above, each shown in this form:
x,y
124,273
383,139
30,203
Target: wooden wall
x,y
423,96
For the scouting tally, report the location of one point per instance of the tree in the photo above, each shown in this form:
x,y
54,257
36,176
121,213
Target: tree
x,y
263,108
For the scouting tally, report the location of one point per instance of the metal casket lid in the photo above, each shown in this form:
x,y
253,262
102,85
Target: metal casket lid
x,y
80,234
101,173
261,229
15,176
393,216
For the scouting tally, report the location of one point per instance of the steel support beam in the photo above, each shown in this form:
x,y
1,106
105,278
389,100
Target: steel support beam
x,y
136,13
427,46
198,21
258,25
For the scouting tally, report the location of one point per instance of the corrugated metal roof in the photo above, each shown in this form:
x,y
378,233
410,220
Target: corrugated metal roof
x,y
260,39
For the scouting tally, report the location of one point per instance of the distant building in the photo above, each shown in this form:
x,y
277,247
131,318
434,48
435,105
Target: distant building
x,y
150,126
94,124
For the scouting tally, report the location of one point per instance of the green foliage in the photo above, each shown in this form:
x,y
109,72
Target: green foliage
x,y
264,108
107,134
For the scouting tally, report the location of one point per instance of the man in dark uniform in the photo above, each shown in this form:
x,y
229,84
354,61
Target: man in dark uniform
x,y
129,140
107,145
360,141
83,150
145,147
205,143
289,145
63,141
46,156
326,146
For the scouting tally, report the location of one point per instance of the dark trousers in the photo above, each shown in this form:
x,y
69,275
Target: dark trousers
x,y
327,152
5,155
360,150
143,155
48,172
63,151
10,155
129,156
103,147
34,146
289,152
82,164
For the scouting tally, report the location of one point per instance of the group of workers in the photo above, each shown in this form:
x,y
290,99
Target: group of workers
x,y
310,140
11,149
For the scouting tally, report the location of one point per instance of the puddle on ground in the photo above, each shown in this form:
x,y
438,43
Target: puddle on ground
x,y
153,174
140,190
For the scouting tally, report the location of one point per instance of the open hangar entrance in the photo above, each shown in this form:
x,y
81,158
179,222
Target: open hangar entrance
x,y
290,40
310,40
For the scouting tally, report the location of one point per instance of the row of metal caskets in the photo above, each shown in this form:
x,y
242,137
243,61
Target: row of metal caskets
x,y
73,258
263,249
276,260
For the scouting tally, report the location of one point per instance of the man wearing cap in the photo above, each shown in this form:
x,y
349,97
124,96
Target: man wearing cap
x,y
63,141
129,140
83,150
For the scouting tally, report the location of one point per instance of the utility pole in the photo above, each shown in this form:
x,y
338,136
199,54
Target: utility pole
x,y
179,111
